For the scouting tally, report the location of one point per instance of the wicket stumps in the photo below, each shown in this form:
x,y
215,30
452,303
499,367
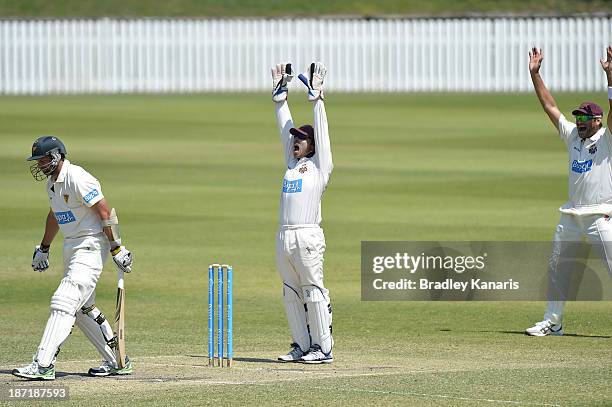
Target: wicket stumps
x,y
218,358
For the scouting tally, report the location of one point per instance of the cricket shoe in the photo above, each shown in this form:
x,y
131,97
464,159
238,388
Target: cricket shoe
x,y
316,356
107,369
34,371
544,328
294,354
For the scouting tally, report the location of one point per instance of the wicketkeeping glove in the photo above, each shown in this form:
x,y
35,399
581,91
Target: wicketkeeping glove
x,y
122,258
313,79
40,259
281,76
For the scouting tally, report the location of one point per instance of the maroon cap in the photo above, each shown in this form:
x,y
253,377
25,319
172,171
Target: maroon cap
x,y
589,109
304,132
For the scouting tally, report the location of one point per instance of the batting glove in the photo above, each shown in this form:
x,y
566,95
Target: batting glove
x,y
122,258
281,76
40,259
313,80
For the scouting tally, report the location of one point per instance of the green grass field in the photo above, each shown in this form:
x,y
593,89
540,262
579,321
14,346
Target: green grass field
x,y
196,179
275,8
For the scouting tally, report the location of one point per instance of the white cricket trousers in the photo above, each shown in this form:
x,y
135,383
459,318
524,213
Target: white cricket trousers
x,y
572,231
299,259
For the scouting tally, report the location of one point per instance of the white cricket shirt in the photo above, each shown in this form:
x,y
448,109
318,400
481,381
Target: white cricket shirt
x,y
71,197
590,171
305,180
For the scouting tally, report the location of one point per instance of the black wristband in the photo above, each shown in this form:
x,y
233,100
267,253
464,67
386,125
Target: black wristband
x,y
44,248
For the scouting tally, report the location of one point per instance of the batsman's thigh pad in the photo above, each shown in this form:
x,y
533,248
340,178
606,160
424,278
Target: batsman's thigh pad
x,y
68,297
296,316
319,316
84,258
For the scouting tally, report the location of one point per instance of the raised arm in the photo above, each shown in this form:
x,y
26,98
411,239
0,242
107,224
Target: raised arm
x,y
313,79
546,100
323,155
285,122
281,76
607,67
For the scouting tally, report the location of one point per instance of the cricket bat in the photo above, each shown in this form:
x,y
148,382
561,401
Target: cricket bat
x,y
120,321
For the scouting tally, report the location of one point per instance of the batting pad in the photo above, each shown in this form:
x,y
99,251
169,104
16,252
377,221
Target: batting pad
x,y
296,316
319,317
98,334
57,330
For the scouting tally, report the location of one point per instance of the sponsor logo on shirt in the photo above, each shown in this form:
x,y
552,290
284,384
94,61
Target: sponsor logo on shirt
x,y
291,187
91,195
582,166
64,217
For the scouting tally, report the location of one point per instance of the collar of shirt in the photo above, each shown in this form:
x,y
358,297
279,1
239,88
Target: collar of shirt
x,y
60,176
593,139
63,171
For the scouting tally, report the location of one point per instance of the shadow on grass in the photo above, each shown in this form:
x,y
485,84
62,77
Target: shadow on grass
x,y
57,375
248,360
523,333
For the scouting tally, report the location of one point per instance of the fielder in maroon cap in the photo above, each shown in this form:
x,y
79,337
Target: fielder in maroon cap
x,y
586,214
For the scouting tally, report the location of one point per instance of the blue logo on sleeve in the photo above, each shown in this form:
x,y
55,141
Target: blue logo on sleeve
x,y
582,166
64,217
94,193
290,187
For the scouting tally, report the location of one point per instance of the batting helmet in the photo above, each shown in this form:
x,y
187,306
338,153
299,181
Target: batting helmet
x,y
46,146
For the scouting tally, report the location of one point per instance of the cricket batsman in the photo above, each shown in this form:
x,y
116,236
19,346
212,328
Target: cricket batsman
x,y
586,215
90,228
300,242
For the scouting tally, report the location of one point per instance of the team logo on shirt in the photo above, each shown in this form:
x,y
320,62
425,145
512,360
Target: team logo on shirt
x,y
91,195
593,149
291,187
66,198
303,169
582,166
64,217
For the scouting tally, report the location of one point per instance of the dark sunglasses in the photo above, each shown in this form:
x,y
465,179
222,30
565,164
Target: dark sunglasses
x,y
584,118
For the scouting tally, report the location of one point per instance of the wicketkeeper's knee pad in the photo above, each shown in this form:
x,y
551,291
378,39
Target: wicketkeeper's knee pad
x,y
67,298
319,317
292,294
296,316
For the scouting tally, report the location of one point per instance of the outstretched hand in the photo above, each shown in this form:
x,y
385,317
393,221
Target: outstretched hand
x,y
535,60
606,64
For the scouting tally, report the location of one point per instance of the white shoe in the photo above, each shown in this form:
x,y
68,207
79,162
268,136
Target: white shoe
x,y
544,328
107,369
316,356
294,354
34,371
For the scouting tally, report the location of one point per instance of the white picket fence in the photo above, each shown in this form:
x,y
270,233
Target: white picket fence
x,y
387,55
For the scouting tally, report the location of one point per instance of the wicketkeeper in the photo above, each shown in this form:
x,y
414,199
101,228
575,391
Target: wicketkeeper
x,y
300,243
90,228
586,215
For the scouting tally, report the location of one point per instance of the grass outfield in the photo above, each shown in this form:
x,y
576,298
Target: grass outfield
x,y
274,8
196,179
